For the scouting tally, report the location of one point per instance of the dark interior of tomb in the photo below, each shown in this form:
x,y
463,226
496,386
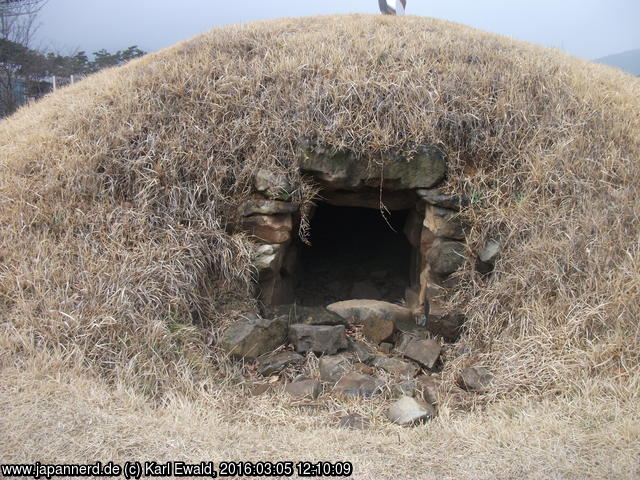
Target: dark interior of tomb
x,y
354,253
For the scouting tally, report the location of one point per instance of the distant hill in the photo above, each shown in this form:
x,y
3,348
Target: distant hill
x,y
627,61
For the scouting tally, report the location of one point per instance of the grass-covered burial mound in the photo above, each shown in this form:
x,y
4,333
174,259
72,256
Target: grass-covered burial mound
x,y
121,260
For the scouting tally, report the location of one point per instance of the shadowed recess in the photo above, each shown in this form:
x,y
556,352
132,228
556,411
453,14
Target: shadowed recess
x,y
354,253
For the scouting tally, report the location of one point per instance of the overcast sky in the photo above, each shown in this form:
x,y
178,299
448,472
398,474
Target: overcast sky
x,y
585,28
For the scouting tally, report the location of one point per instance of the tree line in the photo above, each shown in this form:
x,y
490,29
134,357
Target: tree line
x,y
27,73
31,63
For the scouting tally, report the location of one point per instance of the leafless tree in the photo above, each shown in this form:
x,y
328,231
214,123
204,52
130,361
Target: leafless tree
x,y
17,26
17,19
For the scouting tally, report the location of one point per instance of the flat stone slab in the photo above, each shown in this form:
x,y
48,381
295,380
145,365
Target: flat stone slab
x,y
370,198
340,168
307,315
405,339
355,384
320,339
435,197
253,336
332,367
268,228
395,366
360,311
262,206
276,363
425,352
302,389
409,410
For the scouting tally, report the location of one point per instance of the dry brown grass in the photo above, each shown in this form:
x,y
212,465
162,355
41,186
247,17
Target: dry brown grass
x,y
66,416
117,270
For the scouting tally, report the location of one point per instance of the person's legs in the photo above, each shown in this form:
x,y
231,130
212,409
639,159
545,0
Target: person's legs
x,y
385,8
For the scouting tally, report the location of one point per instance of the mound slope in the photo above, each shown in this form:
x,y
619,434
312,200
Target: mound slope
x,y
117,192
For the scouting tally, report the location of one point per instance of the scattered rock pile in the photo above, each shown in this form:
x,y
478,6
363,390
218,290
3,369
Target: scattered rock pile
x,y
347,367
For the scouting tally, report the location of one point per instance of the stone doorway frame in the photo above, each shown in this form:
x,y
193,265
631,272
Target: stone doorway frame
x,y
434,227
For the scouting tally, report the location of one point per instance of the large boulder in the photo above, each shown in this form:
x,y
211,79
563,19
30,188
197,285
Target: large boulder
x,y
425,168
253,336
358,311
409,410
320,339
338,167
